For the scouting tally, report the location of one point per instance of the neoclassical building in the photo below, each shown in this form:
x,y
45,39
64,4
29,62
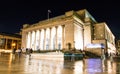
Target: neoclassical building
x,y
74,29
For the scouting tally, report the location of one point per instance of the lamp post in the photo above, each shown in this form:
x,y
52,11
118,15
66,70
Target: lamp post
x,y
49,14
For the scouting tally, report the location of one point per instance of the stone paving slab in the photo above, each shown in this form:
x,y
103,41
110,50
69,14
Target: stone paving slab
x,y
57,56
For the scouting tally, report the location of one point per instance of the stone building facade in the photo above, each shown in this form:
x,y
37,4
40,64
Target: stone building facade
x,y
118,46
9,41
74,29
103,38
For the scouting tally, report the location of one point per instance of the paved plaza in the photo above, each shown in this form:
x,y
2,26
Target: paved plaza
x,y
26,65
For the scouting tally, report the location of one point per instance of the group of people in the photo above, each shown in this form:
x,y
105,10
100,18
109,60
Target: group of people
x,y
19,51
29,51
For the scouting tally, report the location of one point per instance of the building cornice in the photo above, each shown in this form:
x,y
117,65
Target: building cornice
x,y
51,23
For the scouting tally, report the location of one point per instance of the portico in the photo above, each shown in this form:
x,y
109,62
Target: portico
x,y
46,39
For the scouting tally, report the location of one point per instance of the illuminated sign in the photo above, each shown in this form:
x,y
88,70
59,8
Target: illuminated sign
x,y
95,46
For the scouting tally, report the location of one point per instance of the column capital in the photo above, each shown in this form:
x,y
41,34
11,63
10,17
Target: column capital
x,y
35,30
29,31
39,29
45,29
32,31
56,26
50,28
63,25
63,46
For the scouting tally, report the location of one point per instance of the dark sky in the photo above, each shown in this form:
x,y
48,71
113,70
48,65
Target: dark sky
x,y
15,13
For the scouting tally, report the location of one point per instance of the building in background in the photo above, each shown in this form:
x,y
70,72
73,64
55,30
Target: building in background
x,y
74,29
103,39
118,46
9,41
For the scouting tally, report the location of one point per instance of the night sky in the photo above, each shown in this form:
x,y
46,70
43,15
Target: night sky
x,y
15,13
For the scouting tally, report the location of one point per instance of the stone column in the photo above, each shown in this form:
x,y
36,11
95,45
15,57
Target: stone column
x,y
44,39
6,43
27,39
63,33
83,38
12,44
50,40
56,44
39,38
17,44
35,40
30,39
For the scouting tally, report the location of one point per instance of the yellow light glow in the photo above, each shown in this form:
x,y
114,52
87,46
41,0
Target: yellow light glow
x,y
13,44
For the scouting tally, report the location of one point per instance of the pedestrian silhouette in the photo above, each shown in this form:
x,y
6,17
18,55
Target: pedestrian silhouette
x,y
13,53
19,52
30,51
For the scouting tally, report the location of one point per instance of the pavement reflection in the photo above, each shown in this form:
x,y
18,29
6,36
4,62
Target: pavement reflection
x,y
26,65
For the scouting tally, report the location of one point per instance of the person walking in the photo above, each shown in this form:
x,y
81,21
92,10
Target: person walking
x,y
19,52
13,53
30,51
111,57
27,51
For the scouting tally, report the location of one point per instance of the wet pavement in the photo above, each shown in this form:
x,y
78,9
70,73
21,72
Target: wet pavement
x,y
26,65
